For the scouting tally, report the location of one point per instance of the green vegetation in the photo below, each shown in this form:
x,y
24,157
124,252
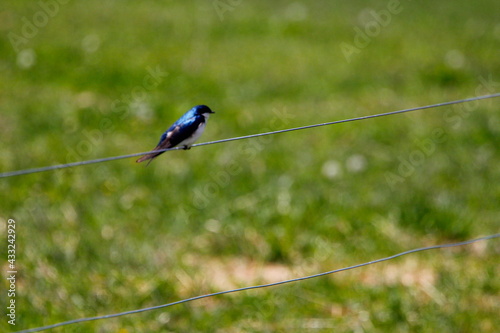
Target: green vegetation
x,y
103,79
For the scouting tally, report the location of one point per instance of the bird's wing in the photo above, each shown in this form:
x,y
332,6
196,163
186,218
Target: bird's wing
x,y
178,132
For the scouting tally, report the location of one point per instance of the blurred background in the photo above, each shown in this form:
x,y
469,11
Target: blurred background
x,y
86,80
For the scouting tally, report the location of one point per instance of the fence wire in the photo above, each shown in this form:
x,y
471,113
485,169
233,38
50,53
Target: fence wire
x,y
114,158
82,320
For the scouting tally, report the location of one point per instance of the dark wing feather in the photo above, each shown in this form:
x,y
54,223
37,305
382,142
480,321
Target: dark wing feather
x,y
182,131
178,132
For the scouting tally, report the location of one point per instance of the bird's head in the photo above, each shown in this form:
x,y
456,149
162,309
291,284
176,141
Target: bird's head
x,y
202,110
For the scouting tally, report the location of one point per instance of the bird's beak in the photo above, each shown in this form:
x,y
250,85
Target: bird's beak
x,y
212,111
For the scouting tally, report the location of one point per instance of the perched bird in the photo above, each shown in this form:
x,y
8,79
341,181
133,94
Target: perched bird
x,y
184,132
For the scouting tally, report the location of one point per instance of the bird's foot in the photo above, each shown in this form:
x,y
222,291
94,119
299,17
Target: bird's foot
x,y
187,147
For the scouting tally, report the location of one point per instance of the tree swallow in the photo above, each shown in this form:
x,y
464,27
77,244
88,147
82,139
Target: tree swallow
x,y
184,132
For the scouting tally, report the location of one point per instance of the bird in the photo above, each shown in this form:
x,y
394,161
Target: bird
x,y
183,133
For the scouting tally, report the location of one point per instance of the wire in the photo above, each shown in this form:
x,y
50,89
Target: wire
x,y
100,160
75,321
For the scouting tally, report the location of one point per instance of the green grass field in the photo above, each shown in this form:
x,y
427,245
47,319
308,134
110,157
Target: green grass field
x,y
86,80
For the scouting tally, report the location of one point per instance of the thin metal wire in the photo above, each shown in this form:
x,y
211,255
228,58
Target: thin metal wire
x,y
106,159
75,321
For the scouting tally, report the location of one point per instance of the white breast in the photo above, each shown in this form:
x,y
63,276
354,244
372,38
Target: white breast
x,y
196,135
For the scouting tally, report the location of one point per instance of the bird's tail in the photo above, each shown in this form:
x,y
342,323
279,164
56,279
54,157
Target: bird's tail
x,y
149,157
